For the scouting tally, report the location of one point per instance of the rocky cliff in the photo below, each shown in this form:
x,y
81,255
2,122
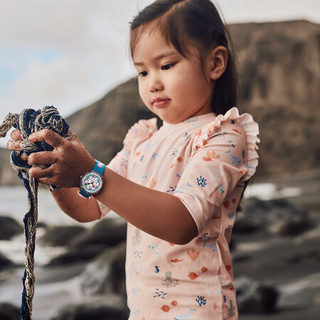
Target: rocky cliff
x,y
279,82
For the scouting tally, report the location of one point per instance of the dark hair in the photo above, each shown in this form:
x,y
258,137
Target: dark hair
x,y
198,21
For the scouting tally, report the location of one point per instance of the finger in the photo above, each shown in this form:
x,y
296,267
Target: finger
x,y
42,158
16,135
14,145
40,172
48,136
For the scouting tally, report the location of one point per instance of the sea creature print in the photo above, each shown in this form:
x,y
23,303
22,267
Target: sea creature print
x,y
171,189
183,188
231,310
137,238
150,145
154,248
185,316
138,254
160,294
211,155
157,269
212,246
244,158
179,174
193,254
201,300
232,215
205,236
144,176
174,152
235,160
167,308
230,142
155,156
202,181
208,283
136,291
185,139
169,282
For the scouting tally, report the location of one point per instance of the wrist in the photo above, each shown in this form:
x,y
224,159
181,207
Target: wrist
x,y
91,182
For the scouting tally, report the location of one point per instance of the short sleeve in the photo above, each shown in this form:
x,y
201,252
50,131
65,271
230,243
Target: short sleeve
x,y
138,133
224,155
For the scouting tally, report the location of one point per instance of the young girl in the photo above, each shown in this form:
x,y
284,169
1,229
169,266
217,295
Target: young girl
x,y
178,186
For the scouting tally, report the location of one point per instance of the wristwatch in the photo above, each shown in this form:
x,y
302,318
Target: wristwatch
x,y
92,182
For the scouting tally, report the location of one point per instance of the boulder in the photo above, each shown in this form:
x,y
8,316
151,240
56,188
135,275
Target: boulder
x,y
77,255
108,232
278,217
9,312
9,228
56,236
91,242
255,297
106,274
93,310
5,263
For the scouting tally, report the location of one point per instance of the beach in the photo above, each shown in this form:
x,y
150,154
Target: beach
x,y
287,263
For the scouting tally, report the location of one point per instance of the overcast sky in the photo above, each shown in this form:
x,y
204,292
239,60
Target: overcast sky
x,y
69,53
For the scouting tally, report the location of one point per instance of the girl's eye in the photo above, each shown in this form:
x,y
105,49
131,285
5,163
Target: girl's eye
x,y
167,66
142,74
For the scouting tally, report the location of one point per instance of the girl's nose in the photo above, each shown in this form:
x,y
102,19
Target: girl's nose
x,y
155,84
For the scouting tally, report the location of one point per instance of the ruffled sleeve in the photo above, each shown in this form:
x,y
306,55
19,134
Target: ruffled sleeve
x,y
224,155
250,129
138,133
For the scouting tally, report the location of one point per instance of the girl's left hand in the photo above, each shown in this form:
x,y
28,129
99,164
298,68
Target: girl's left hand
x,y
64,165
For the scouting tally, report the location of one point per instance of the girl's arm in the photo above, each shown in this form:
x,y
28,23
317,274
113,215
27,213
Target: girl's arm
x,y
78,208
157,213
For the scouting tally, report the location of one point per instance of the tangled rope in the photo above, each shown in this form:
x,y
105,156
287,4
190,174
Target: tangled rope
x,y
27,122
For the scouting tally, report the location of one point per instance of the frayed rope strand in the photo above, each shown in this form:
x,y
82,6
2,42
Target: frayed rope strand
x,y
27,122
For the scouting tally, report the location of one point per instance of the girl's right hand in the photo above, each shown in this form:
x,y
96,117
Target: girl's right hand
x,y
15,143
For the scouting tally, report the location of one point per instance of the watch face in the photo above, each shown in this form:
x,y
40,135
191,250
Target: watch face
x,y
92,182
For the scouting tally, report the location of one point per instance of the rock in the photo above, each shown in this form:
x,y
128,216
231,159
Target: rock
x,y
254,297
9,228
60,235
5,263
93,310
108,232
278,216
76,255
106,274
91,242
9,312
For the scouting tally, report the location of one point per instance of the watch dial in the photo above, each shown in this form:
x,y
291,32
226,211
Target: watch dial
x,y
92,182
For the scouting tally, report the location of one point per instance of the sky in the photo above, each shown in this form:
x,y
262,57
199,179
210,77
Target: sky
x,y
70,53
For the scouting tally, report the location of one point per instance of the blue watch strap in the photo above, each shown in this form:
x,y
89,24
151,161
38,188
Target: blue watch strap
x,y
99,167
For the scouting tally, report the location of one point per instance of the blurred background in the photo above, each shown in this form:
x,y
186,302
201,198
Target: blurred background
x,y
73,54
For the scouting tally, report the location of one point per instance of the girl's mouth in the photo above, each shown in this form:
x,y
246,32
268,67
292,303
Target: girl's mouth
x,y
160,102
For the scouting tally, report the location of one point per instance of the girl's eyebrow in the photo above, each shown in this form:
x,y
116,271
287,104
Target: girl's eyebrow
x,y
169,54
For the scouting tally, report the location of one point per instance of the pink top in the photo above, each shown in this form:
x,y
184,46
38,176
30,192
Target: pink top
x,y
204,161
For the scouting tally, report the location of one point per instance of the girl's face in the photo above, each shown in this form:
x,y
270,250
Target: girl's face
x,y
173,87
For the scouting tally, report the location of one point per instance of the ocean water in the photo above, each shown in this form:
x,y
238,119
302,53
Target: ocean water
x,y
13,203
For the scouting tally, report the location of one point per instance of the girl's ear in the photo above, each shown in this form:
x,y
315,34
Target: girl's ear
x,y
218,60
